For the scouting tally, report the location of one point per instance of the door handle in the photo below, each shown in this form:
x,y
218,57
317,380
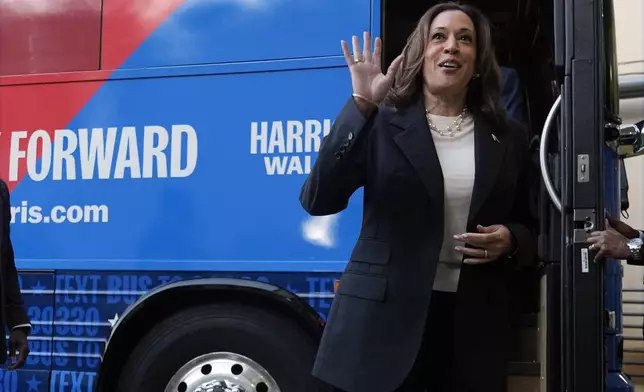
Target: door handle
x,y
543,153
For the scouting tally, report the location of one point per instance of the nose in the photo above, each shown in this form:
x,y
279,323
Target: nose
x,y
451,46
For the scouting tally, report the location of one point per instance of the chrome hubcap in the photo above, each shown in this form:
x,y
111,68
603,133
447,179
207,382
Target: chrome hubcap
x,y
222,372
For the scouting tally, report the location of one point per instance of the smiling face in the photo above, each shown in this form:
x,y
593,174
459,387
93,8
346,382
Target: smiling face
x,y
450,55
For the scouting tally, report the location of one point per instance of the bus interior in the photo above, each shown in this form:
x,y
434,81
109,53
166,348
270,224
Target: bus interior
x,y
523,35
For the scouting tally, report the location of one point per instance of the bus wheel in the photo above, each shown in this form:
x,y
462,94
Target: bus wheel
x,y
227,347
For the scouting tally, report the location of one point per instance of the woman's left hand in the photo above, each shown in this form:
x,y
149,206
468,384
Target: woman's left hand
x,y
491,242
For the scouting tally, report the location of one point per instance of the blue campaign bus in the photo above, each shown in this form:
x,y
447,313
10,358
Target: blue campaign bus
x,y
155,151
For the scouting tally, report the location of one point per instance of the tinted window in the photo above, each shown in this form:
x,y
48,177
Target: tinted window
x,y
43,36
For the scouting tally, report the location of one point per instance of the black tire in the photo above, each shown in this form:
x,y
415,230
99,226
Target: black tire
x,y
276,343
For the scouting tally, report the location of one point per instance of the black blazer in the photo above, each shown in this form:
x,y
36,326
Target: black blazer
x,y
12,306
377,319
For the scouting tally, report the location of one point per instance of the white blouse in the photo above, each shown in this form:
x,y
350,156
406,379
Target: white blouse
x,y
456,156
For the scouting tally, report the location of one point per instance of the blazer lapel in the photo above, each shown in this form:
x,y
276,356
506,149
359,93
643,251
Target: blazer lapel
x,y
489,152
412,135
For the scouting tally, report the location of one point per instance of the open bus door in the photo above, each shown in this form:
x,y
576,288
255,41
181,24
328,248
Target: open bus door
x,y
591,142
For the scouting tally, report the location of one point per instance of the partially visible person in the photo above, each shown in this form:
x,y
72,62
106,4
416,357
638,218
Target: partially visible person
x,y
512,95
13,313
423,301
618,241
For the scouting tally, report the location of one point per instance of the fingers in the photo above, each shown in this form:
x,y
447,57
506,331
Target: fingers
x,y
479,253
377,52
476,239
364,55
486,229
597,243
22,357
600,255
12,354
347,53
477,261
366,41
355,41
393,67
12,349
594,237
479,256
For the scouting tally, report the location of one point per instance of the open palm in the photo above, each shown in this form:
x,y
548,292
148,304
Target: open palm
x,y
367,78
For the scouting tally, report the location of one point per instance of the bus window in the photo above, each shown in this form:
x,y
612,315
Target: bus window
x,y
49,36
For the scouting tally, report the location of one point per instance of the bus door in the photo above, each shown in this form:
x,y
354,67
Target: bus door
x,y
591,142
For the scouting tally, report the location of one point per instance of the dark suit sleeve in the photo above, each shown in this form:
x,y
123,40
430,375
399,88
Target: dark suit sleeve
x,y
339,169
14,305
523,224
512,95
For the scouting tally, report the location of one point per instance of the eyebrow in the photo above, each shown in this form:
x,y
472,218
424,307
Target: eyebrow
x,y
461,30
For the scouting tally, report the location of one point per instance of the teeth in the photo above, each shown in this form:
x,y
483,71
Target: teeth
x,y
449,64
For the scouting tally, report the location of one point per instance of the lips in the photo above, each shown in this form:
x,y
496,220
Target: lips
x,y
450,64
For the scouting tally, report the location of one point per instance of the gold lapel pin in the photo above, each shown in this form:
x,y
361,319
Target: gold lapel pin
x,y
495,138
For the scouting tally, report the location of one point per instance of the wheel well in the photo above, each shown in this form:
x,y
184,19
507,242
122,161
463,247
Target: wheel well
x,y
154,309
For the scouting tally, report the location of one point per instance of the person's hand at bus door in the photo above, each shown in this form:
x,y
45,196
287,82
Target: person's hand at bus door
x,y
370,85
610,243
18,348
490,243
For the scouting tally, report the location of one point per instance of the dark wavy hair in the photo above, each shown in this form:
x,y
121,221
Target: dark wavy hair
x,y
483,93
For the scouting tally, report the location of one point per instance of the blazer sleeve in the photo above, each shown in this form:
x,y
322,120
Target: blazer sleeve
x,y
524,225
340,168
14,310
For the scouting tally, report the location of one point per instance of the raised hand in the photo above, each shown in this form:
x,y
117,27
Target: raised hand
x,y
367,78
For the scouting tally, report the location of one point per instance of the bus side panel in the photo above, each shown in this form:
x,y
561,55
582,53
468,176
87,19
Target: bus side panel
x,y
88,303
212,207
170,173
34,110
205,32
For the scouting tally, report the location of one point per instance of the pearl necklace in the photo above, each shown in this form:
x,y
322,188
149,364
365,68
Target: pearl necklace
x,y
451,130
